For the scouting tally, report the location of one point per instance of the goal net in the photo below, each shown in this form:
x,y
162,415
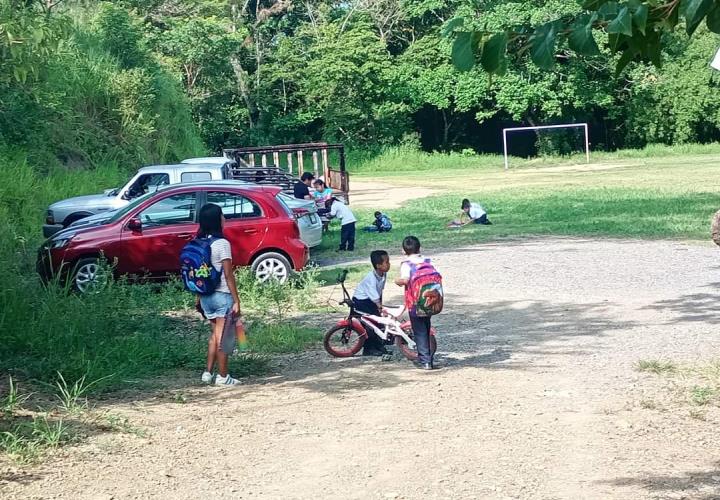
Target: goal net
x,y
580,127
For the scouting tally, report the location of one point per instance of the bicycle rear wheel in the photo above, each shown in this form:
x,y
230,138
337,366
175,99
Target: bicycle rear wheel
x,y
343,341
411,353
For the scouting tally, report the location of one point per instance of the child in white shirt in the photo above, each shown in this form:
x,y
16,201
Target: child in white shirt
x,y
339,210
368,298
475,213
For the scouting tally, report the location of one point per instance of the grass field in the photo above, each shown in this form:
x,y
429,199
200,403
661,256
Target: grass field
x,y
670,196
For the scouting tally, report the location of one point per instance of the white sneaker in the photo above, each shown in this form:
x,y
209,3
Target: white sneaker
x,y
226,380
206,377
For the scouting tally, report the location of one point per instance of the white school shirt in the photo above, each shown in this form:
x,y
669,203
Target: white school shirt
x,y
342,212
416,259
476,211
219,251
371,287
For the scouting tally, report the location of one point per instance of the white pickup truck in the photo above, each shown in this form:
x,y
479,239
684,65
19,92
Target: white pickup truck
x,y
148,179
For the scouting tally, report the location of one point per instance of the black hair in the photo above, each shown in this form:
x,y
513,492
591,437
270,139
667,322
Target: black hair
x,y
329,202
307,176
319,182
465,204
210,221
411,245
377,257
378,214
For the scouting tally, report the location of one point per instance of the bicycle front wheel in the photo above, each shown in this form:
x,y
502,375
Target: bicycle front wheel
x,y
343,341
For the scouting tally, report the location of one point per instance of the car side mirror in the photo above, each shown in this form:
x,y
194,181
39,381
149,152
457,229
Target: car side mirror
x,y
134,224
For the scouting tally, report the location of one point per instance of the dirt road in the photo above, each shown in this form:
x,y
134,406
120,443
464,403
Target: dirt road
x,y
537,398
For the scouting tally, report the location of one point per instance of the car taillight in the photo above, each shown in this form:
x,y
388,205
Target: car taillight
x,y
300,212
296,230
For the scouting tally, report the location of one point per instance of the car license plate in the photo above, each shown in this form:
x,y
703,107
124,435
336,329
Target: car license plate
x,y
313,219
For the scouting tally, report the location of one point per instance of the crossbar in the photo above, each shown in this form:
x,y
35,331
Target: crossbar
x,y
540,127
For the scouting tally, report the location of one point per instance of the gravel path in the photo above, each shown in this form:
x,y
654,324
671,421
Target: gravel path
x,y
537,397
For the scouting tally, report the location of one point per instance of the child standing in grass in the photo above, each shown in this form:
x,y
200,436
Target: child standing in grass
x,y
340,211
368,298
223,300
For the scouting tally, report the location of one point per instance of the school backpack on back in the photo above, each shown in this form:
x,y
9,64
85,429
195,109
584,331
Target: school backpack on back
x,y
196,269
424,295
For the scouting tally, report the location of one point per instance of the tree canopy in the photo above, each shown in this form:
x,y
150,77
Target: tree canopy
x,y
633,29
440,74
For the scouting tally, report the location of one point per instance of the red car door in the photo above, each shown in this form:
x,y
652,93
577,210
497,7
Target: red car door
x,y
167,225
245,223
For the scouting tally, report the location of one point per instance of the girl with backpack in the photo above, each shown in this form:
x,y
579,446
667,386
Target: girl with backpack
x,y
423,297
206,264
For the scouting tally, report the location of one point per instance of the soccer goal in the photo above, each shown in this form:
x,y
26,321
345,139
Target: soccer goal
x,y
545,127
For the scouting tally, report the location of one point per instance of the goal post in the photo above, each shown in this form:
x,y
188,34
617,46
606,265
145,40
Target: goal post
x,y
542,127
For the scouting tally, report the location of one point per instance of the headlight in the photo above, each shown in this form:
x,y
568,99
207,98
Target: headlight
x,y
50,217
59,243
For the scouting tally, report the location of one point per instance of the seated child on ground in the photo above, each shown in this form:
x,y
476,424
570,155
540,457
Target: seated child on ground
x,y
472,213
368,298
381,224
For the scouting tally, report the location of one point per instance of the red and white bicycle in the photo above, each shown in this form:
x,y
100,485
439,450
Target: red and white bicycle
x,y
347,337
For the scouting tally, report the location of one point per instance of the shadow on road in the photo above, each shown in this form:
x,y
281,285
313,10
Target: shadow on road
x,y
694,307
501,335
699,485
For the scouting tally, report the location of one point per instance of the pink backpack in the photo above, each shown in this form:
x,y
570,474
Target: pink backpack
x,y
424,291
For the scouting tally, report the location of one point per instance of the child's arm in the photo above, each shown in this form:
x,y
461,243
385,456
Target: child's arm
x,y
230,278
401,281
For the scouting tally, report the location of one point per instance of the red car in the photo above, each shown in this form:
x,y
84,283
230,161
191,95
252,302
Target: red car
x,y
145,238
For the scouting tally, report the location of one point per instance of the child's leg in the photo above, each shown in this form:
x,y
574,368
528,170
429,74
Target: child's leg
x,y
344,237
421,333
351,237
215,354
373,344
212,347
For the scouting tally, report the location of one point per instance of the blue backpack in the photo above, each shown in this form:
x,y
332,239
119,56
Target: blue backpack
x,y
196,269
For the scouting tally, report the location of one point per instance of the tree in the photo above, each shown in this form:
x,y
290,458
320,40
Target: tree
x,y
29,34
634,30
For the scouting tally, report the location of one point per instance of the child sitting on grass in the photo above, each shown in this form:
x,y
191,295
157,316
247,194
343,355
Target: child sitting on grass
x,y
368,298
381,224
472,213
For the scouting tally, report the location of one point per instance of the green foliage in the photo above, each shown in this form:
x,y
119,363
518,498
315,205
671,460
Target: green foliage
x,y
120,36
634,30
28,37
12,400
100,97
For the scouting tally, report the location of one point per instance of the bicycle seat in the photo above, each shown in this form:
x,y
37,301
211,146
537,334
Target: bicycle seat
x,y
395,312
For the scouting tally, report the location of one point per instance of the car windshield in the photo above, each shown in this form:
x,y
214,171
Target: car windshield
x,y
121,213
